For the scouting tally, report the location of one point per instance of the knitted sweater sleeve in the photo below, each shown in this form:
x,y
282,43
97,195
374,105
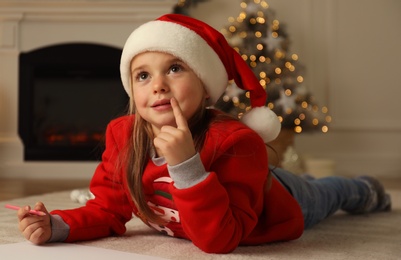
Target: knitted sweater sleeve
x,y
221,210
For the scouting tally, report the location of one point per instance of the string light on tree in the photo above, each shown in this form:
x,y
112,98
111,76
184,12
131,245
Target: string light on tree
x,y
263,43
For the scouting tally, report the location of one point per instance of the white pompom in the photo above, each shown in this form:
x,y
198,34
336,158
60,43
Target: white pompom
x,y
263,121
82,199
74,195
81,195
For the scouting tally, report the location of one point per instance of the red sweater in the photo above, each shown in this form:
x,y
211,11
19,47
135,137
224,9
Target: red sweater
x,y
230,207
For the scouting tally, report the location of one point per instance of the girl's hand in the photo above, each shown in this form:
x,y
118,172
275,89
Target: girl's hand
x,y
36,229
175,143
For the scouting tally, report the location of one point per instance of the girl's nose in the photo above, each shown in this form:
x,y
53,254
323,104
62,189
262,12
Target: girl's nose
x,y
160,85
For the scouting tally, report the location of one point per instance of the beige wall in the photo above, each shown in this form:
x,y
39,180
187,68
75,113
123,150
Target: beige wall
x,y
352,53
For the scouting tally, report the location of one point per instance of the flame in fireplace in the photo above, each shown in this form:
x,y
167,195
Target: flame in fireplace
x,y
73,138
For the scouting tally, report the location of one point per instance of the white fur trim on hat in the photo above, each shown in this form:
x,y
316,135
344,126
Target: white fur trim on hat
x,y
184,44
263,121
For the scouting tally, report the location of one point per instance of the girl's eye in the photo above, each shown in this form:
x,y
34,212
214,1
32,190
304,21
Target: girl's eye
x,y
175,68
142,76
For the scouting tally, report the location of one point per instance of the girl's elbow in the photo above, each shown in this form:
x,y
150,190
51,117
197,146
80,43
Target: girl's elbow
x,y
217,246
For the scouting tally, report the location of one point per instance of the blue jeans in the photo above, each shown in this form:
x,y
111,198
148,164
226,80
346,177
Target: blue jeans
x,y
320,198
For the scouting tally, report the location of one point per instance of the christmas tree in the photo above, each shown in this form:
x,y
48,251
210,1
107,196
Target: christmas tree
x,y
264,44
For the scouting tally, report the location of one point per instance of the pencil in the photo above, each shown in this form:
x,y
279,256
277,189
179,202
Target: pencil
x,y
33,212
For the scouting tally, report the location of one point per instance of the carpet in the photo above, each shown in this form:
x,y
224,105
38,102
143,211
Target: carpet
x,y
342,236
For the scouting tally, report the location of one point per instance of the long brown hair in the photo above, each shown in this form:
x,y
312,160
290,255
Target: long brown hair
x,y
140,145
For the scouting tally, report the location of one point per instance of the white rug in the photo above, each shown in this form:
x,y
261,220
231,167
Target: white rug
x,y
342,236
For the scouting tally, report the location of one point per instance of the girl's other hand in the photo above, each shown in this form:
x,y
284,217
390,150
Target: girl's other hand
x,y
175,143
36,229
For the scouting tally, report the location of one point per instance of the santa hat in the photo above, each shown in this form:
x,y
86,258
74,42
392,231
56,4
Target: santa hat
x,y
208,54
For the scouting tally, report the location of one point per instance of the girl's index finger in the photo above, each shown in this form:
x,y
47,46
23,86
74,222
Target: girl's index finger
x,y
179,117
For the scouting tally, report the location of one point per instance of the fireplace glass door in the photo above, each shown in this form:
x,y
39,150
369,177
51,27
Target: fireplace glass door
x,y
67,95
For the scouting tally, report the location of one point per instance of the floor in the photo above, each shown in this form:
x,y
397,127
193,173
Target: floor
x,y
17,188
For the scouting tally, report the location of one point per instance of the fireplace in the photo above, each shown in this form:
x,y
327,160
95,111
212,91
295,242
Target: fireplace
x,y
67,95
29,26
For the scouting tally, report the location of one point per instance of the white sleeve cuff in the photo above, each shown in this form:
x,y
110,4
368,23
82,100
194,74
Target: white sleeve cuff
x,y
60,229
188,173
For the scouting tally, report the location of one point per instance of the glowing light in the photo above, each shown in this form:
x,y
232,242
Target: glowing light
x,y
262,82
262,58
328,119
297,121
264,4
298,129
259,47
232,28
304,104
300,79
276,26
315,121
325,129
274,34
252,20
243,35
270,105
302,116
252,57
181,3
252,64
243,5
294,57
258,34
280,118
315,108
277,70
231,19
261,20
244,57
288,92
262,74
325,110
279,54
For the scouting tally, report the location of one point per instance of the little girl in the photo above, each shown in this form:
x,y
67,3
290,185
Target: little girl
x,y
190,171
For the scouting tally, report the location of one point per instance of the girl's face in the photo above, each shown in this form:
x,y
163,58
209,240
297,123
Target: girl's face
x,y
156,78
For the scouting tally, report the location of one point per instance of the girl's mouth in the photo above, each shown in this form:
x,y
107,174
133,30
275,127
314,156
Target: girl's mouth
x,y
161,104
